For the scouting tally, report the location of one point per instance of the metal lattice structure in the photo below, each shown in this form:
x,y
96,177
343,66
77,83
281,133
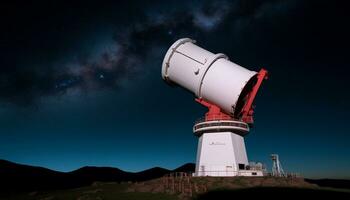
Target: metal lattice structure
x,y
277,169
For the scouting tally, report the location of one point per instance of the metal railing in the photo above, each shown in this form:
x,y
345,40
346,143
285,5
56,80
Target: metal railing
x,y
230,173
223,123
213,118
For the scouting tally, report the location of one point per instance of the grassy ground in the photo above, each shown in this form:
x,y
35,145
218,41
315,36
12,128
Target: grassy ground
x,y
273,193
98,191
189,188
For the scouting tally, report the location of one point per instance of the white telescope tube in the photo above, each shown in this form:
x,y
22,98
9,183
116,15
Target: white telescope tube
x,y
209,76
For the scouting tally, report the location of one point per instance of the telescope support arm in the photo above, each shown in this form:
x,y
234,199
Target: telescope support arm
x,y
247,111
214,112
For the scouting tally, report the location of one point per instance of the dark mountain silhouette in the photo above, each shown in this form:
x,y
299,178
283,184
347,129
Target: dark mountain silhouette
x,y
188,167
17,177
24,178
100,174
149,174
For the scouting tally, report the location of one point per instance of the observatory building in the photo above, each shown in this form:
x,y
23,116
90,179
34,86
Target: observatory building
x,y
228,91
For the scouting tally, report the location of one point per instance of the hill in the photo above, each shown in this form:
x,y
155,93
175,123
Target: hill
x,y
17,177
29,182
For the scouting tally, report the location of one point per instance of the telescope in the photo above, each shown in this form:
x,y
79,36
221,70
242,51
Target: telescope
x,y
213,78
228,91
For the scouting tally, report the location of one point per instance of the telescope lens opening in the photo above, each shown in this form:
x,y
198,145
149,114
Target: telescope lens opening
x,y
243,97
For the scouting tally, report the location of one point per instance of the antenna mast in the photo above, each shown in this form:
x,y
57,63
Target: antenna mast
x,y
277,169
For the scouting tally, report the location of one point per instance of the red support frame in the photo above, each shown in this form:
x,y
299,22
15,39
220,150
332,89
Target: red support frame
x,y
247,110
214,112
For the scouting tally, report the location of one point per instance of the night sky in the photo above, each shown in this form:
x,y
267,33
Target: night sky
x,y
80,83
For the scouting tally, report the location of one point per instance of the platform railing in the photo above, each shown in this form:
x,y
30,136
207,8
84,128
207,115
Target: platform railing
x,y
229,173
220,123
213,118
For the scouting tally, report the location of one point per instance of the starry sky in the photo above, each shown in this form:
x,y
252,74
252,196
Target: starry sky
x,y
80,83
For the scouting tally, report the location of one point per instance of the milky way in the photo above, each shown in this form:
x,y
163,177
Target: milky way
x,y
125,50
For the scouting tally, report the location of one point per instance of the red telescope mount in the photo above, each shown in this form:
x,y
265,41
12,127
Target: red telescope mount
x,y
245,114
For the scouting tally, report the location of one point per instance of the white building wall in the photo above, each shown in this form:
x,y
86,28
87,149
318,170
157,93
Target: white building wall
x,y
239,149
219,154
